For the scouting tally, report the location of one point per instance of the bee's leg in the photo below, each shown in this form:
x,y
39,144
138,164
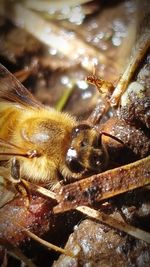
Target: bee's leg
x,y
15,171
20,186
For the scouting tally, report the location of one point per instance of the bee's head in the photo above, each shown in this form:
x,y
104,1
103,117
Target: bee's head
x,y
85,153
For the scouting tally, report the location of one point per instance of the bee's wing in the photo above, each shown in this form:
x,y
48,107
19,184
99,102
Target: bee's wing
x,y
13,91
7,193
8,150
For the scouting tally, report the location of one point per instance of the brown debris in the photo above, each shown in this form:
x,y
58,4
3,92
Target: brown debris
x,y
136,140
15,216
135,102
97,245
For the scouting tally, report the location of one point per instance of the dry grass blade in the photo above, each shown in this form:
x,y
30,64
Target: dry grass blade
x,y
47,244
41,190
46,5
141,49
104,185
119,225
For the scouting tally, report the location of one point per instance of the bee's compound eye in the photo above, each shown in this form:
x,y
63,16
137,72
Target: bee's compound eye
x,y
73,162
97,160
80,128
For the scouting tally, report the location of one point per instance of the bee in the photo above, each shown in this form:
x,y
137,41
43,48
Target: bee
x,y
44,144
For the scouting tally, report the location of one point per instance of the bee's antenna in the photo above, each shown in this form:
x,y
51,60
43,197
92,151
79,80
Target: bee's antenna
x,y
113,137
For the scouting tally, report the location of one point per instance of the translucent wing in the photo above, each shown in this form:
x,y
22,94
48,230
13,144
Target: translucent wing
x,y
12,90
7,193
8,150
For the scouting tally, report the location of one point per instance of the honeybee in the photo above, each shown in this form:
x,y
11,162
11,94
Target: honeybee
x,y
44,144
